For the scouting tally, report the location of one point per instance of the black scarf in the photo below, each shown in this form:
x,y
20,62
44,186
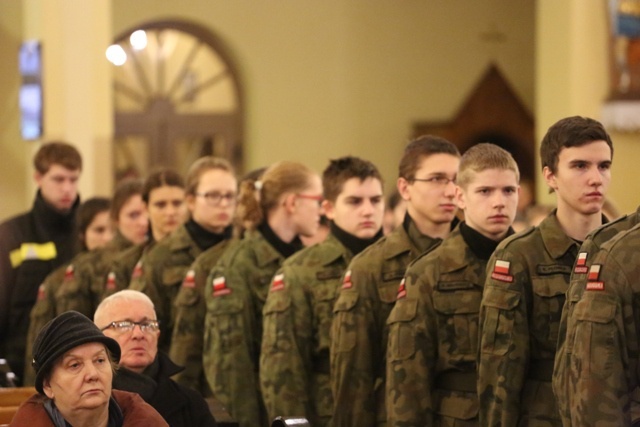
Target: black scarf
x,y
351,242
285,249
204,238
479,244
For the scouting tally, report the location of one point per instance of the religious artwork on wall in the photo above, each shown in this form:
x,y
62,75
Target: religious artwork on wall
x,y
625,48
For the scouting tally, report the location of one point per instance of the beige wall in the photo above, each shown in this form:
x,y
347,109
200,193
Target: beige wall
x,y
325,79
330,78
14,152
572,79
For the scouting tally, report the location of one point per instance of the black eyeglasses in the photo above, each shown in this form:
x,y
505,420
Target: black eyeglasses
x,y
128,326
438,180
213,198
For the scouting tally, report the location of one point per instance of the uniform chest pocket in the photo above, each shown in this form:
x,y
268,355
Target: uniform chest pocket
x,y
225,325
277,323
499,306
388,290
401,335
595,336
548,300
458,320
324,295
343,330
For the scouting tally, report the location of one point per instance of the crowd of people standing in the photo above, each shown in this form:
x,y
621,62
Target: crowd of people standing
x,y
452,318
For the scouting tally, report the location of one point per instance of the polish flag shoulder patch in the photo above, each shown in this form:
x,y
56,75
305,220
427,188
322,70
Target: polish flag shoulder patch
x,y
220,287
278,283
594,273
593,279
111,281
501,271
402,291
137,270
68,272
41,292
189,280
346,282
581,263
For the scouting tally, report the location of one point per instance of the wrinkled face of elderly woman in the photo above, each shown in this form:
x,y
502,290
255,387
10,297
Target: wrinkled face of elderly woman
x,y
80,379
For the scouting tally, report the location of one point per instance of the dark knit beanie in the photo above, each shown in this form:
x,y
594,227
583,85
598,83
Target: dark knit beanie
x,y
63,333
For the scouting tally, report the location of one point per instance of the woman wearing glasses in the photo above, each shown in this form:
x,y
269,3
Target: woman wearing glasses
x,y
283,205
211,190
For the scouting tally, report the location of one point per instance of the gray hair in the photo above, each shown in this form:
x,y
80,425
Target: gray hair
x,y
124,295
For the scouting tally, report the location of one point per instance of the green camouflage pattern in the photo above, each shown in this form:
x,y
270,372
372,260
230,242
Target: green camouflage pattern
x,y
589,248
44,310
164,268
294,361
84,290
235,293
359,332
190,310
433,339
127,271
519,324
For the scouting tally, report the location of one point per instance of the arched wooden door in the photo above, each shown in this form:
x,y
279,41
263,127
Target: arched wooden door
x,y
177,98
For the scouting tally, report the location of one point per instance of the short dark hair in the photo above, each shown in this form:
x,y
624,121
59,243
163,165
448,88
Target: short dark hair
x,y
572,131
341,170
161,178
57,152
418,149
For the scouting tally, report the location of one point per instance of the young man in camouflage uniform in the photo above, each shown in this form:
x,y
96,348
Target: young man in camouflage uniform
x,y
294,361
426,174
529,274
600,375
588,250
433,328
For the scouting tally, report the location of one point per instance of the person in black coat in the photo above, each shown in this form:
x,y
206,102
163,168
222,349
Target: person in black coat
x,y
35,243
129,317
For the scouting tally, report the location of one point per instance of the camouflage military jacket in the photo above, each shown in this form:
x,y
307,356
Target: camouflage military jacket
x,y
235,294
45,310
164,268
527,278
358,330
294,361
603,338
190,310
85,288
433,339
589,248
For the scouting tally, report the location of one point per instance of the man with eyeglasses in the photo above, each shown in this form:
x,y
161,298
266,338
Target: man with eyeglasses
x,y
129,318
427,172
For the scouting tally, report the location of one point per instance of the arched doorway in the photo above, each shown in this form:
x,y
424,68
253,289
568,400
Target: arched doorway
x,y
177,98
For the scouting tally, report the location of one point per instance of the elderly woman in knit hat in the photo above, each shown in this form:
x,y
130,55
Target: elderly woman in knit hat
x,y
74,363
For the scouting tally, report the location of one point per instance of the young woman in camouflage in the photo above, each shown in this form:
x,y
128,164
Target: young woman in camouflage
x,y
284,204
